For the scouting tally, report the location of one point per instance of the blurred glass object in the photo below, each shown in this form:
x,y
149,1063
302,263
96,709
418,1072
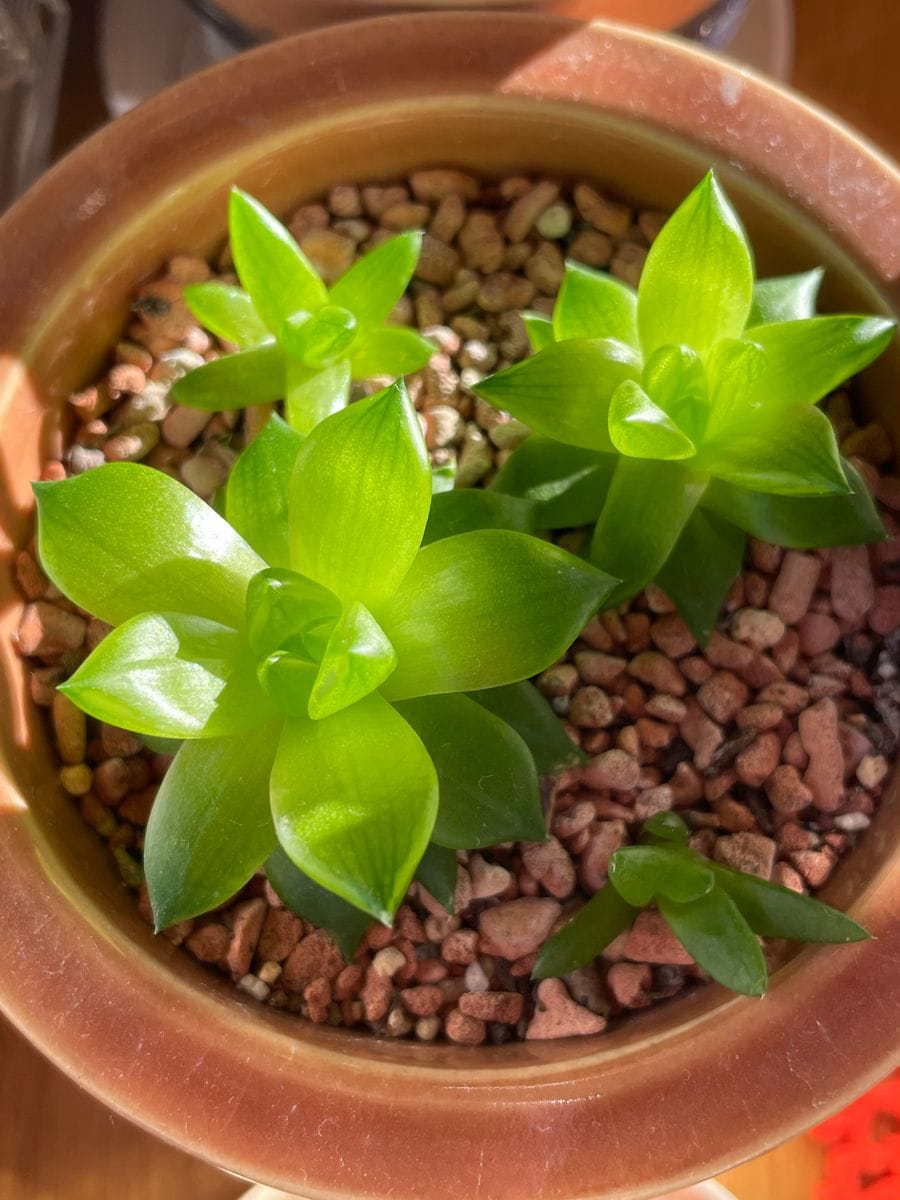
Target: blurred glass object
x,y
33,35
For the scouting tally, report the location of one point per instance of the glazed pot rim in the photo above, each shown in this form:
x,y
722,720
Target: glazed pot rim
x,y
530,1089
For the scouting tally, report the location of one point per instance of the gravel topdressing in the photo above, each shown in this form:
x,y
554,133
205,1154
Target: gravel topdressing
x,y
773,744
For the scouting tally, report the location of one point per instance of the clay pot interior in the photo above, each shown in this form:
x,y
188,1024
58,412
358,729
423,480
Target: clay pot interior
x,y
61,308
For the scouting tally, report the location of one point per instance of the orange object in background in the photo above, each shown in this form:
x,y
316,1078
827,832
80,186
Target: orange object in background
x,y
863,1147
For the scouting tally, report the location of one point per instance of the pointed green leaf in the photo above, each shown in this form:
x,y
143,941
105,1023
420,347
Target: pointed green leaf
x,y
647,507
484,609
701,568
287,610
375,282
465,509
254,376
715,934
734,369
675,379
438,872
805,360
640,874
590,931
321,338
279,277
785,298
124,539
564,391
640,429
287,679
488,782
210,829
539,329
791,453
391,351
256,499
697,282
593,304
171,675
667,827
360,498
523,707
801,522
357,660
227,311
355,797
312,394
775,911
306,899
566,484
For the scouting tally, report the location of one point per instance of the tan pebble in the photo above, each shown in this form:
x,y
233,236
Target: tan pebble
x,y
630,984
559,680
788,696
517,927
427,1028
488,879
77,779
29,576
701,733
376,995
591,247
246,922
756,763
723,652
476,458
871,442
605,840
388,961
119,743
605,215
628,262
527,209
315,955
786,876
438,263
423,1001
656,670
557,1014
133,445
872,770
787,792
818,727
555,222
757,627
378,198
596,667
344,200
466,1031
748,852
209,943
613,769
503,290
666,708
398,1024
331,253
435,184
722,695
505,1007
448,219
549,863
70,729
591,708
653,800
734,816
852,587
47,630
405,215
481,242
650,940
460,947
545,268
111,780
795,586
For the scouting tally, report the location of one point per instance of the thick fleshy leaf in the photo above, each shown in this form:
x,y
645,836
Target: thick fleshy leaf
x,y
288,611
715,934
564,391
488,782
211,828
675,378
355,798
539,329
271,266
256,498
394,350
171,675
590,931
287,680
801,522
360,498
254,376
805,360
775,911
701,568
357,659
227,311
785,298
375,282
648,505
593,304
304,897
523,707
124,539
438,872
319,339
642,873
791,453
484,609
465,509
666,827
314,394
566,484
639,428
697,282
734,369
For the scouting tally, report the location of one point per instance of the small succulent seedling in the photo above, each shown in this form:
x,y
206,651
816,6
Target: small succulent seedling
x,y
298,340
682,416
313,655
717,913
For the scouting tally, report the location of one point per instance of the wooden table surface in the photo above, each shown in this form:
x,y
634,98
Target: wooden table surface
x,y
58,1144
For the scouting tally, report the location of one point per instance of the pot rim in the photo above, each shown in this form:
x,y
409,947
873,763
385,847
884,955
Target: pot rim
x,y
527,1095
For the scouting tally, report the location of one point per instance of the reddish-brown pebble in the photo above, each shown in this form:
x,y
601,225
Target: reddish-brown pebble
x,y
557,1014
318,1000
759,716
518,927
659,672
549,863
460,947
670,634
47,630
590,708
422,1001
789,696
316,955
281,932
793,590
819,734
466,1031
505,1007
818,633
604,841
376,995
613,769
349,982
787,792
722,695
756,763
246,921
630,983
650,940
884,617
597,668
814,865
488,879
701,733
852,588
209,943
751,853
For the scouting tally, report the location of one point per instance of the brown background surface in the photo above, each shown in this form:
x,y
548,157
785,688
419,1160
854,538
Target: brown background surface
x,y
58,1144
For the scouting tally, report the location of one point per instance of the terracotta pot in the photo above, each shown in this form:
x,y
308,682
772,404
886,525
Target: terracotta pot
x,y
678,1094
